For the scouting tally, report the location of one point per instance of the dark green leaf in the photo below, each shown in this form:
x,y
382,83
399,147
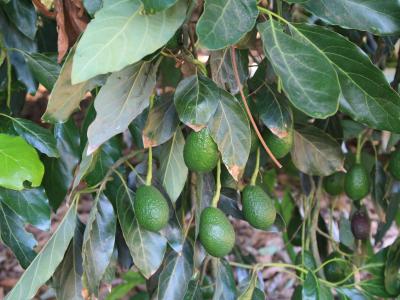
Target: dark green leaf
x,y
313,290
225,288
152,6
307,75
366,95
98,242
219,17
23,15
379,185
130,90
173,170
161,123
380,17
39,137
20,162
13,234
391,212
392,267
131,279
121,25
316,153
46,262
345,235
30,204
196,100
230,129
351,294
43,68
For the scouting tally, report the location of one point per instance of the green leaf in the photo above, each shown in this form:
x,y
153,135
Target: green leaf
x,y
59,172
196,100
205,188
92,6
161,123
152,6
392,267
44,69
308,78
20,162
313,290
378,17
379,180
98,242
225,288
46,262
346,237
176,274
366,95
14,235
248,292
29,204
147,248
121,28
23,15
230,129
224,23
173,170
193,291
67,279
316,153
65,96
391,213
131,279
124,96
39,137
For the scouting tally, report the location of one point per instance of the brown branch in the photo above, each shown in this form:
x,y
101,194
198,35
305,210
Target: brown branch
x,y
253,123
43,9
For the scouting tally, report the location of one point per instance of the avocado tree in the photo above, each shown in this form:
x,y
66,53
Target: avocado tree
x,y
200,117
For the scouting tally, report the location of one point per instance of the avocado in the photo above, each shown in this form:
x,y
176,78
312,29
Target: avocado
x,y
394,164
360,225
334,184
356,182
151,208
336,271
200,151
279,147
258,208
216,232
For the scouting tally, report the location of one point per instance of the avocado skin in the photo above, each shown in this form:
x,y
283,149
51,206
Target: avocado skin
x,y
258,208
394,164
216,232
360,225
200,152
151,208
337,270
334,184
356,182
280,147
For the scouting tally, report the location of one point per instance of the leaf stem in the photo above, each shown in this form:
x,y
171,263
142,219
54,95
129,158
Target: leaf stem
x,y
149,175
217,194
256,168
9,79
253,123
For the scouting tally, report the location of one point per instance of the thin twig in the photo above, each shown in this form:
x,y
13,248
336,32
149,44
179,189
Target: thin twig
x,y
236,73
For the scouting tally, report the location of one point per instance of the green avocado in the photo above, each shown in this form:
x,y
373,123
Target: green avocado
x,y
334,183
258,208
200,152
151,208
216,232
356,182
280,147
336,271
394,164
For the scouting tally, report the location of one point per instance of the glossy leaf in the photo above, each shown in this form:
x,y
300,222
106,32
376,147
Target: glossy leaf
x,y
122,28
152,6
391,213
131,279
98,242
193,291
346,237
313,290
316,153
377,17
43,68
173,170
67,279
230,129
65,96
176,274
392,267
92,6
31,205
124,96
366,95
308,78
248,292
219,17
20,162
23,15
14,235
39,137
147,248
225,288
205,188
46,262
196,100
161,123
379,179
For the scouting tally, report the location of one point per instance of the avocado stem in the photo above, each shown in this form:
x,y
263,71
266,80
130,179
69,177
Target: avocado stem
x,y
358,151
217,195
149,167
256,168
